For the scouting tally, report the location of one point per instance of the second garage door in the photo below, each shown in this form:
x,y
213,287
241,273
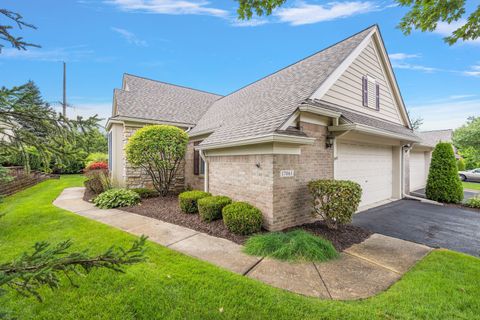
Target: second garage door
x,y
370,166
418,173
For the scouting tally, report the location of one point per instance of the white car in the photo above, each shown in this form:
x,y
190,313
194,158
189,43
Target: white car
x,y
470,175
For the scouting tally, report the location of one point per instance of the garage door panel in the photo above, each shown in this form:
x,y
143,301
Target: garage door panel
x,y
418,173
368,165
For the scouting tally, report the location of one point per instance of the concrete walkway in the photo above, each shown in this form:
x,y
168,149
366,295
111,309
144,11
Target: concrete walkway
x,y
362,270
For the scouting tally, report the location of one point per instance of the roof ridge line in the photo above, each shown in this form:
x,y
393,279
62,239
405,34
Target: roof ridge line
x,y
172,84
298,61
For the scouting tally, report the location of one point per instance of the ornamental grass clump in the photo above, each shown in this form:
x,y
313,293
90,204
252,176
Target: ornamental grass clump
x,y
242,218
159,150
210,208
335,201
293,246
188,200
115,198
443,183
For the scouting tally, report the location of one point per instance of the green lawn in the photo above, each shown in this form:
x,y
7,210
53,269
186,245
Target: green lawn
x,y
172,286
471,185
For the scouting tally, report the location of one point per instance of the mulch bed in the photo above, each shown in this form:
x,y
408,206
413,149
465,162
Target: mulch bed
x,y
167,209
342,238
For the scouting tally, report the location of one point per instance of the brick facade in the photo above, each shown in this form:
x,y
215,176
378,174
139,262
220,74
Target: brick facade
x,y
284,202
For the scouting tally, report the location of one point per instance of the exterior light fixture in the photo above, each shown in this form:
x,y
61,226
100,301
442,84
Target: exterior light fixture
x,y
329,141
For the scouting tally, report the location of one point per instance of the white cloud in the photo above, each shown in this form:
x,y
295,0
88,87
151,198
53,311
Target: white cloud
x,y
474,71
445,29
445,115
416,67
57,54
254,22
402,56
130,37
305,13
174,7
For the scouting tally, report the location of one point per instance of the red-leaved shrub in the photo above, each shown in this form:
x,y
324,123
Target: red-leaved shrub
x,y
97,166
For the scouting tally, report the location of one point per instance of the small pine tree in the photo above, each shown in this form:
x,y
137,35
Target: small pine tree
x,y
443,183
461,164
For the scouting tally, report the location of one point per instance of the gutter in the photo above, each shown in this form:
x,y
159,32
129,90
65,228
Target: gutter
x,y
205,175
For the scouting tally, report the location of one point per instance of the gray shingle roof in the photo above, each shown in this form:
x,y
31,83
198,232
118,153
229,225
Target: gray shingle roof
x,y
431,138
263,106
154,100
354,117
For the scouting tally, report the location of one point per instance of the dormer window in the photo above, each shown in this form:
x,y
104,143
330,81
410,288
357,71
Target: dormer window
x,y
370,93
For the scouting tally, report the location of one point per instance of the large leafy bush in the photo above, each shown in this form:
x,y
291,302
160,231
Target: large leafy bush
x,y
115,198
335,201
159,150
96,157
443,183
210,208
188,200
242,218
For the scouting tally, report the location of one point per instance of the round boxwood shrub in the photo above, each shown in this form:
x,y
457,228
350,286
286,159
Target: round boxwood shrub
x,y
188,200
242,218
115,198
335,201
210,208
443,183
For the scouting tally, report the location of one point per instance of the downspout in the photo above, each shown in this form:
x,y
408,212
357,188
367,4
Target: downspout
x,y
205,178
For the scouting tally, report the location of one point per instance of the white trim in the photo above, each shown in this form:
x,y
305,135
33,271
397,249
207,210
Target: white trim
x,y
372,130
123,119
290,120
320,111
333,77
273,137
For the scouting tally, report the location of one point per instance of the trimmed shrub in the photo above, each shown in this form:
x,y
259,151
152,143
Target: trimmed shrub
x,y
210,208
115,198
96,157
473,202
242,218
188,200
443,183
146,193
97,166
97,181
461,164
295,246
335,201
159,150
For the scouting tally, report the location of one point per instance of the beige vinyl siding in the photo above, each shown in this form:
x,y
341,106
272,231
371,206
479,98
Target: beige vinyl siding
x,y
347,91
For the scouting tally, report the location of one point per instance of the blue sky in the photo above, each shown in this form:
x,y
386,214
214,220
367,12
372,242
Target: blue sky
x,y
200,44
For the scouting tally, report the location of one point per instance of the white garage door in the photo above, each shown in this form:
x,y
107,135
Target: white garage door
x,y
368,165
418,174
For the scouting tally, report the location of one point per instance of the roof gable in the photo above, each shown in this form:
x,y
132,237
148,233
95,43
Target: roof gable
x,y
154,100
344,88
261,107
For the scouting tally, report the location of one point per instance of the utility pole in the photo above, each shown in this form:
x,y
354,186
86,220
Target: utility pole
x,y
64,104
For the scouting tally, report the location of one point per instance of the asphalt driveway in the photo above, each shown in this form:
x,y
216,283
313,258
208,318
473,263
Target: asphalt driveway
x,y
435,226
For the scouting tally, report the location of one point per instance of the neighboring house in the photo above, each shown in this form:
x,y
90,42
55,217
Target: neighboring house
x,y
337,114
